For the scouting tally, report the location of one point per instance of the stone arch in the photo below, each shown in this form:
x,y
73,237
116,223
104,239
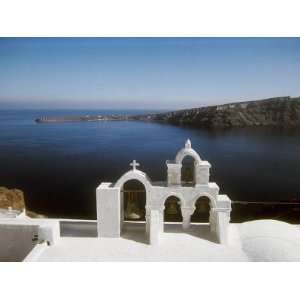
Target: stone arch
x,y
168,195
187,152
212,199
137,175
201,212
145,180
133,197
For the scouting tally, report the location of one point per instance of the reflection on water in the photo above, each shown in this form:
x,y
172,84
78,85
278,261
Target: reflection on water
x,y
59,166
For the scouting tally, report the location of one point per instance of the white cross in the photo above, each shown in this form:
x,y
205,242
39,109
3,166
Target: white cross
x,y
134,164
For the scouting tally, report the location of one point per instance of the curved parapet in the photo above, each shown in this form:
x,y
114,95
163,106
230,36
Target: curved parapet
x,y
134,174
187,151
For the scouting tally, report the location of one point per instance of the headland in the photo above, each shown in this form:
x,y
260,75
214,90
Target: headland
x,y
273,112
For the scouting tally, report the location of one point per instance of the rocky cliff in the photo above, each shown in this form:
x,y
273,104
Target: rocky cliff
x,y
275,112
14,198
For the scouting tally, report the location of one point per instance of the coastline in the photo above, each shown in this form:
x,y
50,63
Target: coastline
x,y
272,112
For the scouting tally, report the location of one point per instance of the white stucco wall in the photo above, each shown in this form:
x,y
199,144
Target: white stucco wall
x,y
18,235
49,230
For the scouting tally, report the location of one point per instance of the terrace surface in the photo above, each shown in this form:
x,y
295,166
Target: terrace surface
x,y
261,240
78,243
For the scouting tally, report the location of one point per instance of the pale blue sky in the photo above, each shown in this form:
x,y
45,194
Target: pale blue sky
x,y
151,73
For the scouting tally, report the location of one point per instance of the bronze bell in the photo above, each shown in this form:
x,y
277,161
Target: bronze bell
x,y
132,210
202,207
187,174
172,208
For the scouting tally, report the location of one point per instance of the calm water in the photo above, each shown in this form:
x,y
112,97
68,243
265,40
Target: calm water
x,y
59,166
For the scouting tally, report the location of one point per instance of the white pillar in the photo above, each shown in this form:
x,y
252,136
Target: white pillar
x,y
186,222
161,220
108,211
148,223
154,227
223,220
202,173
186,217
220,218
174,174
213,220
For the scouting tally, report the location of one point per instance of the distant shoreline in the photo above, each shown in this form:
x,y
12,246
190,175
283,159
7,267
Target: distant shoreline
x,y
272,112
86,118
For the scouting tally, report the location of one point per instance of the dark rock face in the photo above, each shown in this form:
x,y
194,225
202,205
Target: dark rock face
x,y
13,198
275,112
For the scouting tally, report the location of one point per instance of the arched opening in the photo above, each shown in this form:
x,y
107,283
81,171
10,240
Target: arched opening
x,y
172,211
188,170
201,212
134,201
133,211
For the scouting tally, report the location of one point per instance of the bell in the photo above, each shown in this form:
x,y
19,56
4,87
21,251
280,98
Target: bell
x,y
132,210
187,175
202,207
171,208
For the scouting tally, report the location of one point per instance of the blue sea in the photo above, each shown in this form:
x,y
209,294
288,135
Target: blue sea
x,y
59,166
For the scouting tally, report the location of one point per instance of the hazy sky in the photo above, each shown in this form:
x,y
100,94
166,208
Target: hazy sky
x,y
145,72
